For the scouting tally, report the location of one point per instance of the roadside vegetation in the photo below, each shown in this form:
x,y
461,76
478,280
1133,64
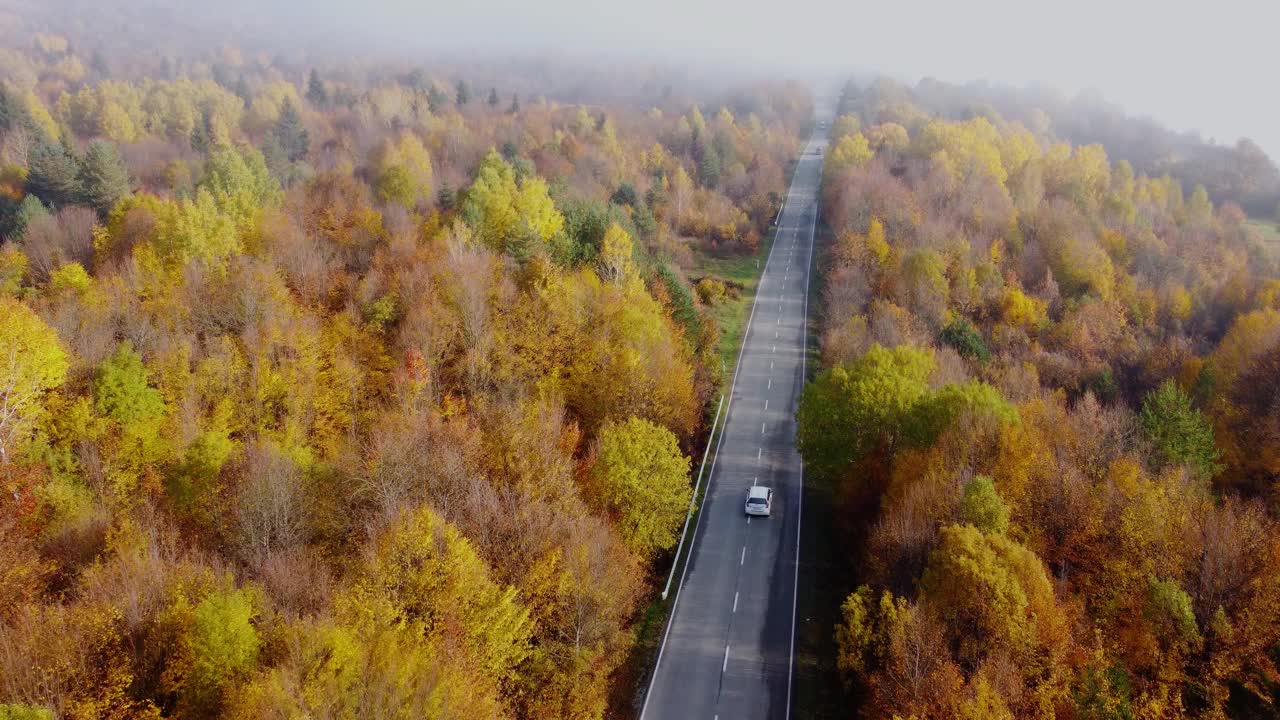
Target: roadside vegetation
x,y
353,389
1048,408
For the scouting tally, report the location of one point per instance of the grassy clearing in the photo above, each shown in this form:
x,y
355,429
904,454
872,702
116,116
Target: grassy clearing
x,y
741,274
1269,228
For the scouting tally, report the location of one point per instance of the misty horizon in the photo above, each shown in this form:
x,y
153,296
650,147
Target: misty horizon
x,y
1188,72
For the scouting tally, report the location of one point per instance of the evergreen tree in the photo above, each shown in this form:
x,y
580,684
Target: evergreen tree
x,y
447,198
242,89
12,112
290,133
1178,432
418,80
29,209
54,175
200,136
103,177
493,97
316,94
709,168
515,104
436,99
624,195
464,93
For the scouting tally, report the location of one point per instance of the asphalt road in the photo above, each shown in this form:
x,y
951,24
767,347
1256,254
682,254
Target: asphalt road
x,y
728,649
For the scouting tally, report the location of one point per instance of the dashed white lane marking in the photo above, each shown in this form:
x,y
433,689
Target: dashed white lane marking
x,y
775,334
743,559
775,349
758,453
735,602
770,386
761,428
766,404
725,666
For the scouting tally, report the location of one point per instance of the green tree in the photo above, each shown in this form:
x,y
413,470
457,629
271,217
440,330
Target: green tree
x,y
1179,433
1169,608
122,392
104,180
463,95
396,186
849,410
642,478
316,94
291,134
194,478
981,506
447,198
54,175
30,209
13,112
32,362
507,214
936,411
198,229
624,195
709,167
403,171
219,645
240,185
71,276
493,97
223,639
436,99
965,338
1199,207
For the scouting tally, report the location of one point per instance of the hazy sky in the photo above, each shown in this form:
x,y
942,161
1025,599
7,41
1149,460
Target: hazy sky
x,y
1208,65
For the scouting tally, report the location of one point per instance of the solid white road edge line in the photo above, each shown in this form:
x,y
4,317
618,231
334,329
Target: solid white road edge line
x,y
746,335
795,584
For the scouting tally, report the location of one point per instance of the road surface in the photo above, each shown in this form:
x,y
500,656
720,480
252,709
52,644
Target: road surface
x,y
728,648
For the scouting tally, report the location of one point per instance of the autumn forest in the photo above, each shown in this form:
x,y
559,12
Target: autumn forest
x,y
363,388
1048,409
366,393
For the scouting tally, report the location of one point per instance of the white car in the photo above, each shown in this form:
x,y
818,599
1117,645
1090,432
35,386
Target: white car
x,y
759,501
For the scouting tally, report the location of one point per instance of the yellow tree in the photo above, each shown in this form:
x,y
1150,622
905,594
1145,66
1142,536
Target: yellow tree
x,y
510,214
425,572
852,151
615,254
642,478
32,362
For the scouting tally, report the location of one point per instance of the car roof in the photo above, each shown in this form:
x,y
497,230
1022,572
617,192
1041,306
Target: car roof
x,y
758,491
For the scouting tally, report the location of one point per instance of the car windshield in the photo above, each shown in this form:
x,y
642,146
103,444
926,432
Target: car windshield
x,y
755,501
